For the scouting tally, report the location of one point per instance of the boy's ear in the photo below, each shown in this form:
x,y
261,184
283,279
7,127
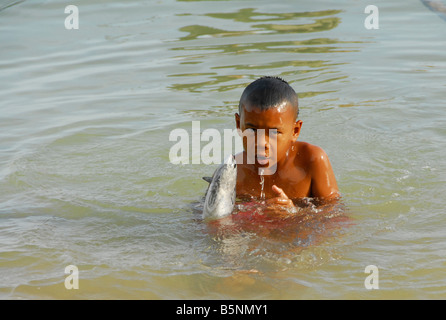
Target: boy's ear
x,y
237,120
297,128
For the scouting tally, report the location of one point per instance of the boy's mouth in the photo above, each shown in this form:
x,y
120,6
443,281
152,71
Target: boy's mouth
x,y
263,161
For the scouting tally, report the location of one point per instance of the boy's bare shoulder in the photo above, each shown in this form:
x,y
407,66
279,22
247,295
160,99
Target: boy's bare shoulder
x,y
323,181
310,153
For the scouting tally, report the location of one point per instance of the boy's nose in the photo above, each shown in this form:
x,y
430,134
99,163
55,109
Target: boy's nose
x,y
263,144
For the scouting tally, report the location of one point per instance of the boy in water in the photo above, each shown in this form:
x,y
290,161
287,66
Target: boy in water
x,y
291,169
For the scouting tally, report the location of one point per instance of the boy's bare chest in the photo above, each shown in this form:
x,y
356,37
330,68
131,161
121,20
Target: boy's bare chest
x,y
296,183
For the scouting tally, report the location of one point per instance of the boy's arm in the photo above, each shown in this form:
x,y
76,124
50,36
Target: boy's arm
x,y
323,181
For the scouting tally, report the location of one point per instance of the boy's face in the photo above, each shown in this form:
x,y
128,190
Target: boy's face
x,y
270,133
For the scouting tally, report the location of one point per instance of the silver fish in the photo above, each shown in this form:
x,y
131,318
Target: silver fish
x,y
436,6
220,195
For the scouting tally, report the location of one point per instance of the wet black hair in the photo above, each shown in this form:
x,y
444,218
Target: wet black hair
x,y
269,92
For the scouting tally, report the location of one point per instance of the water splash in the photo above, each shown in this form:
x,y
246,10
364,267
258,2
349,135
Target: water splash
x,y
262,184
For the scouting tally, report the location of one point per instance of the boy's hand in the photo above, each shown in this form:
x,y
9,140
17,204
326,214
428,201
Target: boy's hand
x,y
281,199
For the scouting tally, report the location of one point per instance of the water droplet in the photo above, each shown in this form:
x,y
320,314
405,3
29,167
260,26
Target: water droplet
x,y
262,184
